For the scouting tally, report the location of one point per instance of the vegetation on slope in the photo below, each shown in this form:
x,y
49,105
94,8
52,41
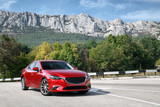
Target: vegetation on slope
x,y
115,53
35,36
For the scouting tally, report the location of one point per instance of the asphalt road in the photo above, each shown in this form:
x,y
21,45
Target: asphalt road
x,y
104,93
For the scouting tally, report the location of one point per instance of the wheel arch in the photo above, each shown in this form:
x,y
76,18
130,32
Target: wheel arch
x,y
22,77
43,78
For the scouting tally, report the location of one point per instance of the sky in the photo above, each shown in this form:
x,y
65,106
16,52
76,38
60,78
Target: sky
x,y
127,10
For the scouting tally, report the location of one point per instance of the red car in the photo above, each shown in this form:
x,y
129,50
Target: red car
x,y
54,76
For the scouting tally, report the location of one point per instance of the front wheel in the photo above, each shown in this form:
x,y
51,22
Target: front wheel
x,y
44,87
83,92
23,83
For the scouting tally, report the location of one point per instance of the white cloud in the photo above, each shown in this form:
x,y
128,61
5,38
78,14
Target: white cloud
x,y
6,4
118,6
148,0
143,15
92,4
100,3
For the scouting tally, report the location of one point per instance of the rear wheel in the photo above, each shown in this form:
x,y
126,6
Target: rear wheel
x,y
24,87
83,92
44,87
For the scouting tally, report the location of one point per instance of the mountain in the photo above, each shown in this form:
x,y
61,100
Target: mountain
x,y
13,22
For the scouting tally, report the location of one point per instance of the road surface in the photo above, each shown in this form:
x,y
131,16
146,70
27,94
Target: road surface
x,y
104,93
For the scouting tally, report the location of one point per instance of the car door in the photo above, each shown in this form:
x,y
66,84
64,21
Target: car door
x,y
37,76
28,74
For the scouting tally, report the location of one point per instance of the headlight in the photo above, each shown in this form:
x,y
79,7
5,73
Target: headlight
x,y
55,77
87,76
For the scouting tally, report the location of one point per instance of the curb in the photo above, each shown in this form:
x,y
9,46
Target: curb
x,y
126,78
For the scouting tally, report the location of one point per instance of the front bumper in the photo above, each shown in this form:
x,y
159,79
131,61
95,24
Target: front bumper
x,y
63,86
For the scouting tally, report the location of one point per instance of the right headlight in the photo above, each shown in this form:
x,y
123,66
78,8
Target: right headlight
x,y
87,76
55,77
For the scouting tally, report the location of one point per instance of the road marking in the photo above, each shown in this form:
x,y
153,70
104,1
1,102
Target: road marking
x,y
128,89
139,100
128,98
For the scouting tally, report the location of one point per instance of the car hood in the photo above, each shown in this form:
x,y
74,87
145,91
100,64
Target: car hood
x,y
66,73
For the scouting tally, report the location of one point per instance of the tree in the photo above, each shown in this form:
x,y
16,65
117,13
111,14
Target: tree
x,y
83,54
57,46
111,39
108,57
91,65
122,40
133,50
152,49
91,43
9,52
24,48
158,62
119,53
70,54
55,53
88,64
43,51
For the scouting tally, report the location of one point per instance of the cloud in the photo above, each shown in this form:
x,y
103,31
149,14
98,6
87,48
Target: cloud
x,y
6,4
92,4
118,6
155,1
100,3
143,15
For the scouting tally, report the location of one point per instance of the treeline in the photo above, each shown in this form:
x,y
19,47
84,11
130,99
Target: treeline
x,y
13,57
115,53
35,38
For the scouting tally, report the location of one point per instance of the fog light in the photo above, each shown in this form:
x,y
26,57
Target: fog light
x,y
55,87
89,86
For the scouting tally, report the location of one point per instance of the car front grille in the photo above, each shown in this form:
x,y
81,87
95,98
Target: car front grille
x,y
74,87
75,80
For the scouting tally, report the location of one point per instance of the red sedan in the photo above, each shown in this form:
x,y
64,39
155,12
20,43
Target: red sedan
x,y
54,76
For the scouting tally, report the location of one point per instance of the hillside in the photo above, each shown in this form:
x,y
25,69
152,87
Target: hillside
x,y
35,36
16,22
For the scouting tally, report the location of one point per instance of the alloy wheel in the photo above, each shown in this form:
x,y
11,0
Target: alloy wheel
x,y
23,84
44,88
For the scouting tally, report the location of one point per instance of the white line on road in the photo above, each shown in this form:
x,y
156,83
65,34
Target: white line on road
x,y
139,100
128,89
128,98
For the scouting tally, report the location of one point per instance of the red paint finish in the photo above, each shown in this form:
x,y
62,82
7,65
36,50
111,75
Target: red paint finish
x,y
35,72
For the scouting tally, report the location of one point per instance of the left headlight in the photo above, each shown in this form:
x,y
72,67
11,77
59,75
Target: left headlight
x,y
87,76
55,77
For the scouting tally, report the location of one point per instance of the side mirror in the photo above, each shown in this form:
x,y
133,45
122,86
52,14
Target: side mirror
x,y
75,68
36,69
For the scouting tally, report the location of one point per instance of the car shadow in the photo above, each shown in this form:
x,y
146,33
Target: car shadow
x,y
75,94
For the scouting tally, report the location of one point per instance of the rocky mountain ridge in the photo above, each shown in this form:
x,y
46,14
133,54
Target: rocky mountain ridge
x,y
82,23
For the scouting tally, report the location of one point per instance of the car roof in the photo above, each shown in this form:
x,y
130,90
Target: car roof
x,y
50,61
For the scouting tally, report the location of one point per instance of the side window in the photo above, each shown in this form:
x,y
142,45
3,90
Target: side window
x,y
31,65
38,65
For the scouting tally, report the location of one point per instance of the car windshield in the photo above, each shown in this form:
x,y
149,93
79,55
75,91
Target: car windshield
x,y
56,65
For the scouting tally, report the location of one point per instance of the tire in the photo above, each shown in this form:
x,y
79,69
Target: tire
x,y
44,87
83,92
23,83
